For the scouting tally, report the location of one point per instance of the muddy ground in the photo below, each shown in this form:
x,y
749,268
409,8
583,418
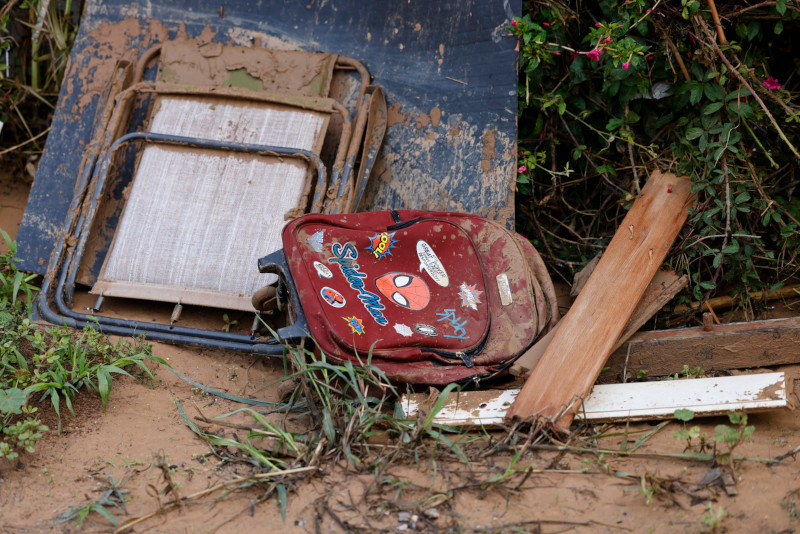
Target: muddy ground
x,y
141,430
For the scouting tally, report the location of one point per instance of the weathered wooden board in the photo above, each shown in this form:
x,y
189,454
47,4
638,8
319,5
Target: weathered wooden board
x,y
573,359
634,401
729,346
664,286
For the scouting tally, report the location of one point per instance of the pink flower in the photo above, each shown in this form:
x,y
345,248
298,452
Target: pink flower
x,y
514,23
648,11
750,151
594,55
627,64
772,84
522,168
608,40
650,58
598,25
545,24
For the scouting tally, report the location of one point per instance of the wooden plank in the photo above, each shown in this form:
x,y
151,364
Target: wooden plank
x,y
729,346
635,401
664,286
573,359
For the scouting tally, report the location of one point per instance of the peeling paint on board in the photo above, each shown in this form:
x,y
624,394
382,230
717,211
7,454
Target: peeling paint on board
x,y
450,89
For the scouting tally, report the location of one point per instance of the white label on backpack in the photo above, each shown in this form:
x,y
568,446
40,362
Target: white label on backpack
x,y
429,262
505,289
403,330
322,270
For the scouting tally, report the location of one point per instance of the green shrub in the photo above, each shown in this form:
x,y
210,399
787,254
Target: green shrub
x,y
613,90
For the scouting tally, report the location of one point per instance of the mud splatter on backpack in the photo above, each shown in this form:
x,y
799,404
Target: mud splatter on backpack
x,y
436,297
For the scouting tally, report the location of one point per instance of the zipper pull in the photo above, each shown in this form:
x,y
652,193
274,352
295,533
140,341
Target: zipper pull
x,y
466,359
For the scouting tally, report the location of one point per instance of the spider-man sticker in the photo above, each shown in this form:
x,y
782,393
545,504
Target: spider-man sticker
x,y
380,244
355,324
332,297
407,290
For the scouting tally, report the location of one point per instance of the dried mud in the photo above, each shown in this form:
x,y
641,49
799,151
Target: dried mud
x,y
544,491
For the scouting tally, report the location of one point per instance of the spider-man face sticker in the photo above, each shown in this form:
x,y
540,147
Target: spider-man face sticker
x,y
404,289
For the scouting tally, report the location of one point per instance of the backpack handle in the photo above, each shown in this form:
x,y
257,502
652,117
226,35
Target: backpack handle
x,y
285,293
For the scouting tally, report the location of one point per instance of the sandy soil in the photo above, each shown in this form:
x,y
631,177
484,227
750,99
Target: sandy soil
x,y
543,491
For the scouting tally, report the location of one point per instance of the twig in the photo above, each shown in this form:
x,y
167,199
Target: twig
x,y
786,455
636,185
625,367
720,235
212,489
34,138
717,23
690,456
676,54
755,95
739,12
591,162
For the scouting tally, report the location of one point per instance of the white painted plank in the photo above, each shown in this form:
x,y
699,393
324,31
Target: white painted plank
x,y
635,401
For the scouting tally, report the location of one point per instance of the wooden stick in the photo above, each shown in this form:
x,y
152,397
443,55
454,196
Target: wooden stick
x,y
717,23
725,301
573,359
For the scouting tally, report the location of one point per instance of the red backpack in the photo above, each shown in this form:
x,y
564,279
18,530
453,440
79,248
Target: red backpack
x,y
433,297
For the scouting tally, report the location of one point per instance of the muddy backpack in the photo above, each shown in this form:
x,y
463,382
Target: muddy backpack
x,y
427,297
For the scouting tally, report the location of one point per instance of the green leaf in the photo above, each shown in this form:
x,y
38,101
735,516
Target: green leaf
x,y
103,385
281,491
105,513
744,196
12,401
731,248
778,28
739,93
705,284
682,414
714,92
694,133
614,124
753,30
712,108
740,108
695,93
780,7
